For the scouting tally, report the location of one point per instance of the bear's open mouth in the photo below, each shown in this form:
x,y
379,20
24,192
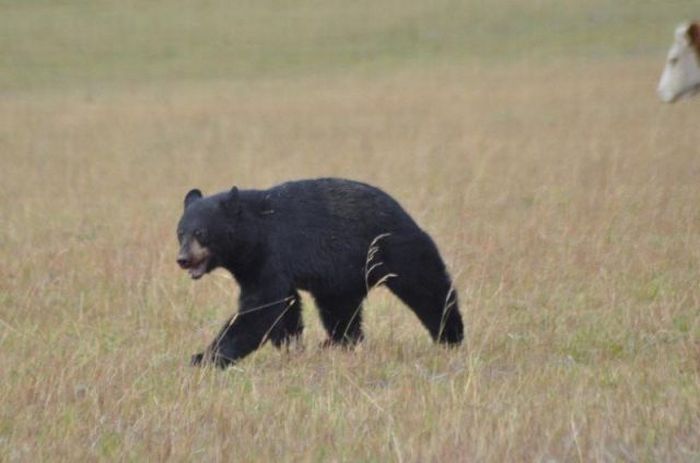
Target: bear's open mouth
x,y
197,269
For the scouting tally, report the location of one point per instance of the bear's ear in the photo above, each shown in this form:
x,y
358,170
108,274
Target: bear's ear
x,y
192,196
231,202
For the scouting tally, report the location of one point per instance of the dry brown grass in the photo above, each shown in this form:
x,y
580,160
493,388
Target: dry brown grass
x,y
565,199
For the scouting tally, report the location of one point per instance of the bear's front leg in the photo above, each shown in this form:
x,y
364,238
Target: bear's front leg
x,y
210,357
258,314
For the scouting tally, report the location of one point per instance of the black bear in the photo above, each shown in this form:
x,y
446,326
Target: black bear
x,y
331,237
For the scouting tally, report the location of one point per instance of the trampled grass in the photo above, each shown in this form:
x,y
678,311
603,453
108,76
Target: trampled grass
x,y
563,196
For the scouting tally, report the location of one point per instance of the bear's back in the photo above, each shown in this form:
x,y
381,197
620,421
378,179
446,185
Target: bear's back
x,y
321,230
341,203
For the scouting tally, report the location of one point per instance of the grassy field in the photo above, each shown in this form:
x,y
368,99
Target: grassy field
x,y
524,136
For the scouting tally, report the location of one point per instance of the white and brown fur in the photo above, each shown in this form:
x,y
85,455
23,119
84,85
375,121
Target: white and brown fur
x,y
681,74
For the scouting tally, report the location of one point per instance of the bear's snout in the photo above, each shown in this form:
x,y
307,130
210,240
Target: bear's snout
x,y
184,262
194,258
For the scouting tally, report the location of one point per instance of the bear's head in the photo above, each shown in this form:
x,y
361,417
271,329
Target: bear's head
x,y
205,230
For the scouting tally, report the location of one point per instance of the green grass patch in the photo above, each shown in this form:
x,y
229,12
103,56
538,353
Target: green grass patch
x,y
49,44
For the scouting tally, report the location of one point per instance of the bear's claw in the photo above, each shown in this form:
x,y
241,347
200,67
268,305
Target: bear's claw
x,y
206,358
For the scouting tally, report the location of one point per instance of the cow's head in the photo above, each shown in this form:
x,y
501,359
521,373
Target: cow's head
x,y
681,76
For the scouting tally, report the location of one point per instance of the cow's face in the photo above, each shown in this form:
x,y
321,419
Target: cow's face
x,y
681,76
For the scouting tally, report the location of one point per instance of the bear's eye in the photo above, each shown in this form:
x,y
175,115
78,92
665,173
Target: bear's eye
x,y
199,235
180,235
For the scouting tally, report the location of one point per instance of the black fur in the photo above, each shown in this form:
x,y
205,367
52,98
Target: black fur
x,y
314,235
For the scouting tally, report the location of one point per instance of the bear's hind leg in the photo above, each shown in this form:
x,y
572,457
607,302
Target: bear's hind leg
x,y
423,284
342,318
437,311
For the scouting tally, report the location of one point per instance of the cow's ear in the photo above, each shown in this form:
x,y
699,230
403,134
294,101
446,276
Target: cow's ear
x,y
694,34
232,202
192,196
